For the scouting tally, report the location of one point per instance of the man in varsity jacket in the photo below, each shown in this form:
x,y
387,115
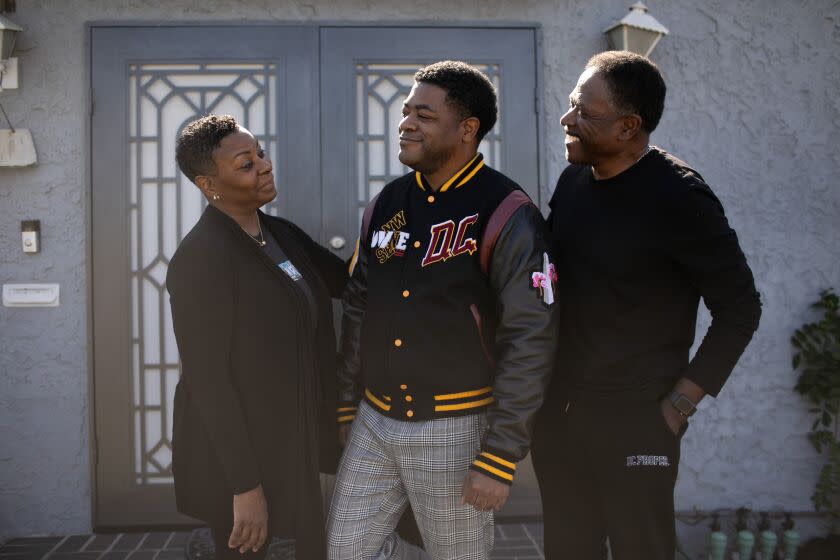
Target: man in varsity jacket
x,y
448,335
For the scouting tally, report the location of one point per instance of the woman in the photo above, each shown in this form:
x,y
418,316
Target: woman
x,y
254,409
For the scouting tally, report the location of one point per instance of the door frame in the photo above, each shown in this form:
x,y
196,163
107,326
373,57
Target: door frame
x,y
308,210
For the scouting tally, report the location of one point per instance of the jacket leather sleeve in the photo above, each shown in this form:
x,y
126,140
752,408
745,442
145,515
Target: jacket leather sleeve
x,y
525,344
203,317
354,303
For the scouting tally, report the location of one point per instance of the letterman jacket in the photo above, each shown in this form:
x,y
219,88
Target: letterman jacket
x,y
428,334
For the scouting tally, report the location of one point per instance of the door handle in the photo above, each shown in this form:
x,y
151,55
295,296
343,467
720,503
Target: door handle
x,y
338,242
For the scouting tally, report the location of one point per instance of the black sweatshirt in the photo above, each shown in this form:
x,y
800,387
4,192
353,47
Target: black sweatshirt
x,y
635,254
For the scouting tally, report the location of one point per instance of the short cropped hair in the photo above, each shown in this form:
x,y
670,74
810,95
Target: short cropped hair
x,y
468,91
635,83
196,142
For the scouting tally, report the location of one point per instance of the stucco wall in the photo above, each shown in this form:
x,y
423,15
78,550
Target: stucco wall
x,y
752,105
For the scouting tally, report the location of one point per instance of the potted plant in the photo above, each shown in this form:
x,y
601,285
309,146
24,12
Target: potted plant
x,y
817,359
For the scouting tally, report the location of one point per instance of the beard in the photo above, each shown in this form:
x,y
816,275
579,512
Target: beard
x,y
426,159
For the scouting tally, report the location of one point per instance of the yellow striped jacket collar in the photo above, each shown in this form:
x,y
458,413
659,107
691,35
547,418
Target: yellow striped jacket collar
x,y
459,179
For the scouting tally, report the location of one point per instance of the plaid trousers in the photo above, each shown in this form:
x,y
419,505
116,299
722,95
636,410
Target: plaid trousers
x,y
389,463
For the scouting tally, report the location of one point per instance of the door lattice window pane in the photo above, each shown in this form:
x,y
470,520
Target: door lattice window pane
x,y
381,90
164,206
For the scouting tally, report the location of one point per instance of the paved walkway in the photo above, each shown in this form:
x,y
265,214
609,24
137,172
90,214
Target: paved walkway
x,y
514,541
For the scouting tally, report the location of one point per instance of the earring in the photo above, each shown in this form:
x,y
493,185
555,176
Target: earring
x,y
216,197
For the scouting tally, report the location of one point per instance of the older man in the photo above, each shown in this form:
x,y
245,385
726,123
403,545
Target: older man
x,y
639,238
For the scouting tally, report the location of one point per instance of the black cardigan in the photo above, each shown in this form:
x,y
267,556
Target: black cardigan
x,y
256,399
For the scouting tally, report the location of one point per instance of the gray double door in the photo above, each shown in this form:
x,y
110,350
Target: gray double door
x,y
325,102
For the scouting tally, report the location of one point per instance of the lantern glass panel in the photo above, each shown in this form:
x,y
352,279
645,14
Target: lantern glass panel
x,y
641,41
616,38
7,43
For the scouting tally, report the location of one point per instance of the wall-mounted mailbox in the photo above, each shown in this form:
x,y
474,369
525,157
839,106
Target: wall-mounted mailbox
x,y
30,295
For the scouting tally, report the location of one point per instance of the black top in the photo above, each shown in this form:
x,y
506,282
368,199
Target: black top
x,y
635,254
278,257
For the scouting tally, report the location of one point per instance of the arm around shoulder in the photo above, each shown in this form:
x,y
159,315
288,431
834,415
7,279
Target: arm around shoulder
x,y
332,269
354,303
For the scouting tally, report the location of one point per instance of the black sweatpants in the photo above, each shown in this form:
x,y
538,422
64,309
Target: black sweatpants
x,y
607,469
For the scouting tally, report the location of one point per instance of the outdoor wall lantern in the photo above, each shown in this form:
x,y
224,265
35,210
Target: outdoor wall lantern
x,y
638,31
8,65
16,146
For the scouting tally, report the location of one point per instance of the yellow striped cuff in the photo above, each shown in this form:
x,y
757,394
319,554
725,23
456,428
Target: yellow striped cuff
x,y
498,460
346,414
494,466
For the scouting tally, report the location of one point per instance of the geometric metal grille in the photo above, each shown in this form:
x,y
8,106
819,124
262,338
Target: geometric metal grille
x,y
381,90
164,206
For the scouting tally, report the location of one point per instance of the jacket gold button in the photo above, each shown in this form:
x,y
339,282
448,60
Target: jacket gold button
x,y
430,199
409,398
405,293
416,244
398,343
409,413
403,387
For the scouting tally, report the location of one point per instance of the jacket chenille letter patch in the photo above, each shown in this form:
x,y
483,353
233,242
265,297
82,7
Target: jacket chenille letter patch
x,y
449,241
389,240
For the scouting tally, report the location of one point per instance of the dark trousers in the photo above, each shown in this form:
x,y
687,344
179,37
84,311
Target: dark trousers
x,y
607,469
223,552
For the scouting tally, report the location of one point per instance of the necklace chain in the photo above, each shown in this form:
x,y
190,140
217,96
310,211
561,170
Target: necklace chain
x,y
647,150
644,153
258,240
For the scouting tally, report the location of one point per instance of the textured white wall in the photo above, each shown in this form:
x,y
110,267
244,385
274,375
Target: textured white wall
x,y
752,105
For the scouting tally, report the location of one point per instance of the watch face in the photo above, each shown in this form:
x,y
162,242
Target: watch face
x,y
684,405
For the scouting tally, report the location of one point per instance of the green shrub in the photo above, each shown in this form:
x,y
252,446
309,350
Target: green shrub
x,y
817,358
